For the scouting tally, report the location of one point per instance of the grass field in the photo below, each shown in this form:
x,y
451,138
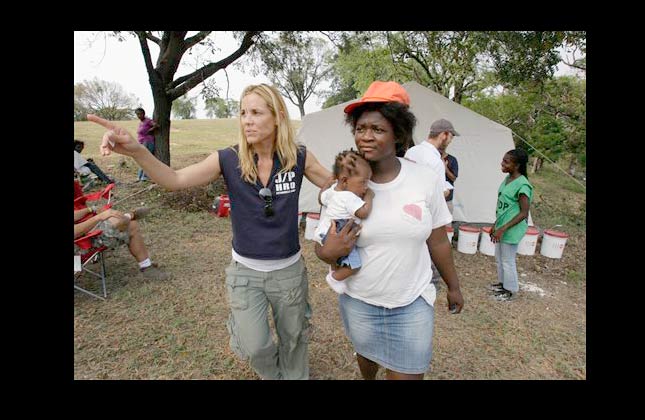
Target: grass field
x,y
176,330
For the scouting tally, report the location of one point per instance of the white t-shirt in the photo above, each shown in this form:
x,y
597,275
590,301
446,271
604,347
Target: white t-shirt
x,y
79,161
339,205
426,153
266,266
392,245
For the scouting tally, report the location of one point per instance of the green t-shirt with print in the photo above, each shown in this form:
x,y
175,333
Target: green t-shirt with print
x,y
508,206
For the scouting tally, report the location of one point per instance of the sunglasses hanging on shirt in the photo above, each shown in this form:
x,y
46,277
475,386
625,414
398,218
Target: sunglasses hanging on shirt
x,y
267,196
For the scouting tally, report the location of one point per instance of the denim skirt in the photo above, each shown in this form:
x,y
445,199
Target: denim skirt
x,y
399,339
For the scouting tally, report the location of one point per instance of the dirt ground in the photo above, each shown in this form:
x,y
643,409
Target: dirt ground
x,y
176,329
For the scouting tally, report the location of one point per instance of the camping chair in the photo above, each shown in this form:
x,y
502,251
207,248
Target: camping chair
x,y
80,201
105,193
89,253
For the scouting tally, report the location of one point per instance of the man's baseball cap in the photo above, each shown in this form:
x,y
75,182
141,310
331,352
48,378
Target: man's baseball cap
x,y
440,126
381,92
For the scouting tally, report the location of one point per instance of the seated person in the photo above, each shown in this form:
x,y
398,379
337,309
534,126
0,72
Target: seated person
x,y
118,228
348,199
85,166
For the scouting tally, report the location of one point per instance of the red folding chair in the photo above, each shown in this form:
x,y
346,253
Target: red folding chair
x,y
90,253
80,199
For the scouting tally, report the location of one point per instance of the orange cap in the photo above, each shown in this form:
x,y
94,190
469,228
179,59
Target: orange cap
x,y
381,92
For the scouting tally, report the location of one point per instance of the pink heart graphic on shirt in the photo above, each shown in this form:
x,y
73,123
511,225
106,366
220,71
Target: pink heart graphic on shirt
x,y
413,210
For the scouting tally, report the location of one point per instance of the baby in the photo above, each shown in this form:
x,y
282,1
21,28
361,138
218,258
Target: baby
x,y
349,198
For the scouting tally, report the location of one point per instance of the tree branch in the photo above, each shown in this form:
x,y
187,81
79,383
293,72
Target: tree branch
x,y
165,39
286,92
331,39
182,79
195,39
152,38
146,52
191,80
573,57
575,66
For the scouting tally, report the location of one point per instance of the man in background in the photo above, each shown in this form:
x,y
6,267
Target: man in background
x,y
85,166
452,172
429,153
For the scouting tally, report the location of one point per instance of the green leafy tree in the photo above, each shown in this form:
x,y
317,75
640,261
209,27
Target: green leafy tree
x,y
363,66
550,116
361,58
80,108
565,99
524,56
184,108
444,61
296,63
575,43
233,107
456,64
106,99
221,108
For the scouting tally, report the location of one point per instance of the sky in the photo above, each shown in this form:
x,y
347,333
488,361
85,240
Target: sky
x,y
99,56
105,58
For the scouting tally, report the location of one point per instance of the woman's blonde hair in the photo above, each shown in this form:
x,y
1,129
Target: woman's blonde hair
x,y
285,144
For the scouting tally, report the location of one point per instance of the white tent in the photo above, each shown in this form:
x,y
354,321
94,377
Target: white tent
x,y
479,150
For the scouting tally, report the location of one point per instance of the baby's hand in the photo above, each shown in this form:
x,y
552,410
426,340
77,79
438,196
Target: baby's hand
x,y
369,194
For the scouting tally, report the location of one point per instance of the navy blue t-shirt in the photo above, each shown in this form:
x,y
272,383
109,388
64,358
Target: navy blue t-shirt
x,y
256,235
454,168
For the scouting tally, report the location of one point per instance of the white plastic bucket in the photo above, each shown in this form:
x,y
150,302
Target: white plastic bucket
x,y
486,246
529,241
553,243
451,232
468,237
312,224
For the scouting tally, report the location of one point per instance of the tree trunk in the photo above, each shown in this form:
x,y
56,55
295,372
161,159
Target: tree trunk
x,y
537,164
301,107
162,135
165,89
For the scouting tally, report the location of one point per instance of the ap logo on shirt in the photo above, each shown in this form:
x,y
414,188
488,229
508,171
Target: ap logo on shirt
x,y
284,183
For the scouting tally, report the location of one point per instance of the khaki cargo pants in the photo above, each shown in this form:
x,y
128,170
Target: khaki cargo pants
x,y
250,293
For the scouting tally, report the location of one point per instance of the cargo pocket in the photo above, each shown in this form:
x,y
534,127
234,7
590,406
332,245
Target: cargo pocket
x,y
300,332
237,288
234,341
294,293
307,327
295,288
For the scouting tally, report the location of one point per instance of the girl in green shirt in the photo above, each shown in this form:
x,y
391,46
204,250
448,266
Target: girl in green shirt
x,y
513,202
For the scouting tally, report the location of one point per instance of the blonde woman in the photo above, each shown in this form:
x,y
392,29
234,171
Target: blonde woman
x,y
263,174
